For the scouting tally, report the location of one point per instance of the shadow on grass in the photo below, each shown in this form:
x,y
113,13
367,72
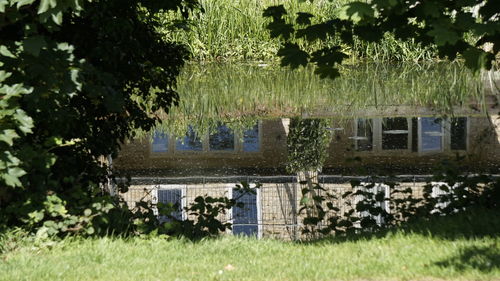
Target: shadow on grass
x,y
484,259
474,223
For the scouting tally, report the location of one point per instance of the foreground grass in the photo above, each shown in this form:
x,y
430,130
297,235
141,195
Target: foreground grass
x,y
424,252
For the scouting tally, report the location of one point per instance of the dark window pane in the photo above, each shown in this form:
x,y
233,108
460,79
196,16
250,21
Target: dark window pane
x,y
251,140
160,142
172,196
395,133
245,220
432,134
190,142
364,134
222,139
459,133
414,134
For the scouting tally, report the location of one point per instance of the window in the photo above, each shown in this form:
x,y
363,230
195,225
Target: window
x,y
431,134
364,134
222,139
443,193
458,132
246,218
416,134
190,142
251,139
394,133
380,193
171,194
160,142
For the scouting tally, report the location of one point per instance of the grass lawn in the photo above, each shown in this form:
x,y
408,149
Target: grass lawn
x,y
465,247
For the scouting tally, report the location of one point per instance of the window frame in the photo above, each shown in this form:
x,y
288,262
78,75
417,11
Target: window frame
x,y
205,144
258,205
183,202
377,124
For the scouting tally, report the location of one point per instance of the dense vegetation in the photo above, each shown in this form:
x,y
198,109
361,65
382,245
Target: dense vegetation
x,y
75,79
236,31
469,29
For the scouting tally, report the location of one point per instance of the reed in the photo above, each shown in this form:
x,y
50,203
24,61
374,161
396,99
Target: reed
x,y
239,94
235,30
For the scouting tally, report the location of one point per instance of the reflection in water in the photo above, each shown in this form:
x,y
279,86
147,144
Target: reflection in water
x,y
394,133
251,142
235,93
222,139
431,134
160,142
277,128
190,142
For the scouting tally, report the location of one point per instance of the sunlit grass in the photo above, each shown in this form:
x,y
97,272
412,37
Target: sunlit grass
x,y
424,252
236,30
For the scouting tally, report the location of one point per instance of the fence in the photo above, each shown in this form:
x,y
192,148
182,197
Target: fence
x,y
272,212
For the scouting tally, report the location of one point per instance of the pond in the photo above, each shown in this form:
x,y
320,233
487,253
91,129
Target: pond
x,y
279,128
235,118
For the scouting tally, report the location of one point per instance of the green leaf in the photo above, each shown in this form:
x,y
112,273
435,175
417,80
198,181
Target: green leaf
x,y
4,75
12,176
8,135
33,45
25,122
3,3
326,71
443,35
316,31
368,33
5,52
431,9
293,56
44,6
21,3
477,59
57,18
357,12
280,28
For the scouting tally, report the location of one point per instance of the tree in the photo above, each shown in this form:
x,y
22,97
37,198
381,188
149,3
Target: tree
x,y
77,78
469,28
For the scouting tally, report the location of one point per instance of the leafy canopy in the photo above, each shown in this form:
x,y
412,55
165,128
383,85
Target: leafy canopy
x,y
77,78
466,28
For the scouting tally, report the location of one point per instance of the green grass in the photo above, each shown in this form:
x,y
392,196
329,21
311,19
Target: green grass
x,y
235,30
465,247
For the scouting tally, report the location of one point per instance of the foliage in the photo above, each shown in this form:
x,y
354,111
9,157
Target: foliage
x,y
382,203
467,28
307,142
229,30
75,81
205,216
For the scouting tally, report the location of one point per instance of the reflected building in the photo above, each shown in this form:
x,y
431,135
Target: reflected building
x,y
409,144
176,170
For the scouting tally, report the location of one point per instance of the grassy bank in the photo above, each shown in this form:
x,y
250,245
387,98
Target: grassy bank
x,y
235,30
465,247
